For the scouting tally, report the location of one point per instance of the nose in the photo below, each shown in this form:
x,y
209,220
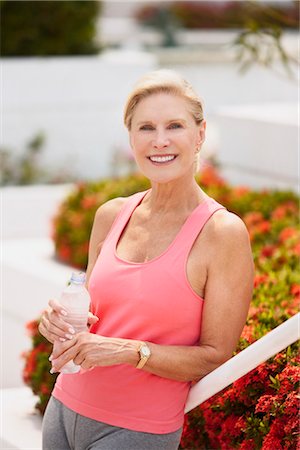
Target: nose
x,y
161,140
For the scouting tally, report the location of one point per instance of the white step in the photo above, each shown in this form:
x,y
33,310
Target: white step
x,y
30,278
21,424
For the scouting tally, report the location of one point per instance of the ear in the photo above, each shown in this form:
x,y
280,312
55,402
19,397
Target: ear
x,y
202,130
130,141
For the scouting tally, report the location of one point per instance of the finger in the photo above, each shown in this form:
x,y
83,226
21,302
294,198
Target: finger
x,y
44,329
62,348
44,332
59,322
78,360
64,358
86,365
57,326
57,307
92,319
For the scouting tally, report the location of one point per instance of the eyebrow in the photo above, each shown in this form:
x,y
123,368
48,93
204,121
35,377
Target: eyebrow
x,y
169,121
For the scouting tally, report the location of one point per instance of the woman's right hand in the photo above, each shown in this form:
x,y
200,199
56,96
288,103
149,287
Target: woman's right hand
x,y
53,324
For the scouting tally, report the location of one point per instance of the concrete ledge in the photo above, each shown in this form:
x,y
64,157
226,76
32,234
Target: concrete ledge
x,y
30,278
259,144
21,426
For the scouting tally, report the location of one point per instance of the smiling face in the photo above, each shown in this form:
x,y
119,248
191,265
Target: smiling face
x,y
165,137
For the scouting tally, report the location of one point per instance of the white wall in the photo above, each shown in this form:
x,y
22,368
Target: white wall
x,y
78,103
259,145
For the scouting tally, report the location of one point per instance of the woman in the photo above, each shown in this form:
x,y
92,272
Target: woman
x,y
170,275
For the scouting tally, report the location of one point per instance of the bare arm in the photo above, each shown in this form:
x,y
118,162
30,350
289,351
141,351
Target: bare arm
x,y
53,324
227,297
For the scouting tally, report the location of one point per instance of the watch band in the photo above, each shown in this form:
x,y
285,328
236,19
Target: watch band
x,y
145,353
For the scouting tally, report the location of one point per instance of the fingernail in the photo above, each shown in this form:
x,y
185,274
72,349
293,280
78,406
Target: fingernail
x,y
71,330
52,371
69,336
62,340
50,358
63,312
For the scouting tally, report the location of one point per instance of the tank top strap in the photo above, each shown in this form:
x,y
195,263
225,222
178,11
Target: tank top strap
x,y
124,215
193,226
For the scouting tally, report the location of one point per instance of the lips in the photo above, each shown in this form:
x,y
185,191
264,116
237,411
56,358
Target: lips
x,y
162,159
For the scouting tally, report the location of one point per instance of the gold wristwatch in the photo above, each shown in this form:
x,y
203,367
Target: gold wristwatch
x,y
145,353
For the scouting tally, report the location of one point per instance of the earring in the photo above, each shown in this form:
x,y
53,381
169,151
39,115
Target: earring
x,y
198,148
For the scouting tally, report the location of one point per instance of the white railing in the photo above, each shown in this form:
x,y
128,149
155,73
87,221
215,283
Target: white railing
x,y
269,345
18,403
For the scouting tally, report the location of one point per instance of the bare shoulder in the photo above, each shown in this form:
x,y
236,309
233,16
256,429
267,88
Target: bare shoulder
x,y
227,225
108,211
103,221
226,236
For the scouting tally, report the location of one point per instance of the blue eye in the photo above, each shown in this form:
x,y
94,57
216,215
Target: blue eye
x,y
175,125
146,127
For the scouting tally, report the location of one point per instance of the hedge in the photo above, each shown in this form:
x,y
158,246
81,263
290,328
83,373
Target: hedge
x,y
223,15
48,28
260,410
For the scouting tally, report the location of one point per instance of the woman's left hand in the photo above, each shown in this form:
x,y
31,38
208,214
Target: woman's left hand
x,y
89,350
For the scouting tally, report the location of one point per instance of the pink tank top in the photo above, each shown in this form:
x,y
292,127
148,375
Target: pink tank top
x,y
151,301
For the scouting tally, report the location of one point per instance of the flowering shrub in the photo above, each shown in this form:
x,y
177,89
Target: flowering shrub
x,y
223,15
258,411
36,372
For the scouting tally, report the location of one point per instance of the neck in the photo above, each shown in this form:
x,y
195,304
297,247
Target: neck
x,y
177,195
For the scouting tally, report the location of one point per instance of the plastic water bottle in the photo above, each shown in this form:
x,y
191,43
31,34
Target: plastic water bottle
x,y
75,299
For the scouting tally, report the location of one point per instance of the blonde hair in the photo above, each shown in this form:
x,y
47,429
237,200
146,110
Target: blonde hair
x,y
162,81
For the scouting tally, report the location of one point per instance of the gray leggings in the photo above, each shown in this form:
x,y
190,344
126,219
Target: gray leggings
x,y
63,429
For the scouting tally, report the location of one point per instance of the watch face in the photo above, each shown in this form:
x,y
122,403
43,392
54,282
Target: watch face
x,y
145,351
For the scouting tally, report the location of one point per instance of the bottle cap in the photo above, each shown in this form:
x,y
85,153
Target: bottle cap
x,y
78,277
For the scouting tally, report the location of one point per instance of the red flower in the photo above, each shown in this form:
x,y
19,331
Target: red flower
x,y
248,444
282,210
253,218
247,333
88,201
273,439
255,311
292,424
268,250
64,253
210,177
272,443
292,371
291,404
32,328
45,389
264,226
295,290
241,424
260,279
229,429
265,403
279,212
296,249
287,233
240,191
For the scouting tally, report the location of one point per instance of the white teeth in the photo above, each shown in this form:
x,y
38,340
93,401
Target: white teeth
x,y
160,159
